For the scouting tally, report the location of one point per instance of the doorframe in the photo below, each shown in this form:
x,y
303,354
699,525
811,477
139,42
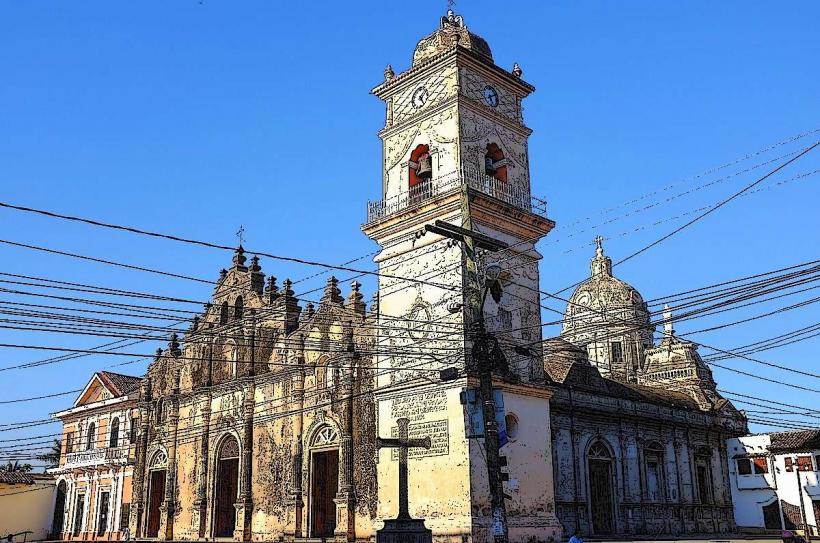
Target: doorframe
x,y
311,453
612,484
150,495
214,476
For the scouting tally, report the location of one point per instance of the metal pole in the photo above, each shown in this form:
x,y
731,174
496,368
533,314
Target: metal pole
x,y
483,363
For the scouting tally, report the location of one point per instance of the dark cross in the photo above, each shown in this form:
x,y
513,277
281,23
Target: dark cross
x,y
240,234
402,443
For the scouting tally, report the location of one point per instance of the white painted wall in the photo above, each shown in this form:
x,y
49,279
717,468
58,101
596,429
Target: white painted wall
x,y
751,492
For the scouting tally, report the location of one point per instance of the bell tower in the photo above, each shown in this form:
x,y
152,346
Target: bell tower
x,y
455,149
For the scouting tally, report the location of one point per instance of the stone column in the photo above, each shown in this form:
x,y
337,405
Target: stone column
x,y
298,396
200,512
168,508
139,479
244,507
346,497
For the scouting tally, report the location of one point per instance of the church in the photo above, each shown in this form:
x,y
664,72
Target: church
x,y
263,422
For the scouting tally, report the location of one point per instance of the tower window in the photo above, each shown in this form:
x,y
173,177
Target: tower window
x,y
616,352
223,313
494,163
420,165
238,308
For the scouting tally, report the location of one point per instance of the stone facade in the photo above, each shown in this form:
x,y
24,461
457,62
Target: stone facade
x,y
639,431
238,421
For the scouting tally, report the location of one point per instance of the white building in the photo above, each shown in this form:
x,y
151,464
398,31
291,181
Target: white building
x,y
774,480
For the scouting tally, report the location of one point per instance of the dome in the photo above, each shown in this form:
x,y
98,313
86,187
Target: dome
x,y
452,30
604,306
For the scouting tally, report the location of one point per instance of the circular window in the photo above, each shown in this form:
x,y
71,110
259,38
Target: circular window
x,y
511,421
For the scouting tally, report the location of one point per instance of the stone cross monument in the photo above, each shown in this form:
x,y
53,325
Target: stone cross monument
x,y
404,528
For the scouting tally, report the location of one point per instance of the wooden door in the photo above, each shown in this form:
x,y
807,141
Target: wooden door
x,y
59,512
227,487
156,494
600,490
325,483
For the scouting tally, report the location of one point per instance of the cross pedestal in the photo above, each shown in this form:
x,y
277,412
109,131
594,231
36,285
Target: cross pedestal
x,y
403,528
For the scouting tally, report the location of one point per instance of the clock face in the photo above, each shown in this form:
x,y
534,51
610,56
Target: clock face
x,y
420,97
490,96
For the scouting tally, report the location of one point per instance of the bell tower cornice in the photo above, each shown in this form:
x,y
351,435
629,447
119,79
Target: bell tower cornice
x,y
463,57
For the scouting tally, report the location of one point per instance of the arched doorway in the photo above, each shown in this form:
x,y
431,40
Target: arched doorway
x,y
59,511
157,471
324,481
226,487
420,167
494,164
599,464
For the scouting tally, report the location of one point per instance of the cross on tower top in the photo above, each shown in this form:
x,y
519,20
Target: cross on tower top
x,y
240,235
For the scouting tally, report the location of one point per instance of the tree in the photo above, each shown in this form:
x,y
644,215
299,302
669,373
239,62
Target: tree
x,y
15,466
52,457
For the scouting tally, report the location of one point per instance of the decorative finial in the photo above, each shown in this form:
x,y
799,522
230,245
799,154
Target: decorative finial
x,y
173,345
195,324
287,284
668,329
310,310
223,273
389,73
599,245
517,71
271,289
255,267
354,299
239,257
601,264
332,292
158,353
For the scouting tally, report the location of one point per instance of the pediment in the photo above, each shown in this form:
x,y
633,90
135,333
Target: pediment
x,y
95,391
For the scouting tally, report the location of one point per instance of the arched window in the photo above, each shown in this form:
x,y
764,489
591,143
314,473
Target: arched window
x,y
494,163
321,373
90,436
420,165
238,308
231,354
114,436
223,313
703,473
511,422
653,460
601,503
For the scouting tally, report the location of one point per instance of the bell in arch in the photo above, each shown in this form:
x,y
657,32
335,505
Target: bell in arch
x,y
489,165
425,166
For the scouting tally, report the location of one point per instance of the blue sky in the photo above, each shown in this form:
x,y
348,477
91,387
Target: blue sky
x,y
195,117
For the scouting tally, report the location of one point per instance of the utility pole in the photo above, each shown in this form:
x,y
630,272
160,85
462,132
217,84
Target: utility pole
x,y
486,356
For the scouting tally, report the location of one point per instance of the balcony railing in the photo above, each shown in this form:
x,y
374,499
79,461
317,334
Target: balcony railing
x,y
111,455
479,181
